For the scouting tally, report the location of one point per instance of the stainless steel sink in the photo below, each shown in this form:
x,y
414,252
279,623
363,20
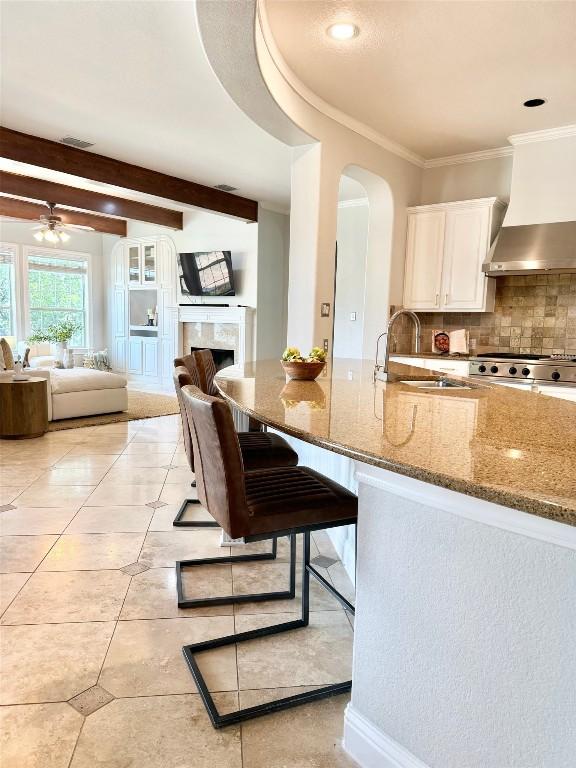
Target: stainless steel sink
x,y
438,384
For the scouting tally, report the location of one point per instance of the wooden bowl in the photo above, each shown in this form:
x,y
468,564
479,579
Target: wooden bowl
x,y
302,371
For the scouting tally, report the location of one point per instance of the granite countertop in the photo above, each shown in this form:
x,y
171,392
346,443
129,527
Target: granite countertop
x,y
503,445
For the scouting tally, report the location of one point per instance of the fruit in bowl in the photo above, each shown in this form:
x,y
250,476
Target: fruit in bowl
x,y
303,368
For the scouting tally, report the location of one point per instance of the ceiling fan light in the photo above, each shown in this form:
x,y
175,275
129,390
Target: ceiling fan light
x,y
39,235
51,236
64,237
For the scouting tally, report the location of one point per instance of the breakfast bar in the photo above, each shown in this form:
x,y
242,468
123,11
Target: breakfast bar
x,y
464,650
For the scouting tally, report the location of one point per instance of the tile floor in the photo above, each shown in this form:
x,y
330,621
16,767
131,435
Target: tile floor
x,y
91,670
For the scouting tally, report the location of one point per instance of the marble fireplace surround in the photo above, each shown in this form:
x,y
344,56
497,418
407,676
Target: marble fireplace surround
x,y
217,328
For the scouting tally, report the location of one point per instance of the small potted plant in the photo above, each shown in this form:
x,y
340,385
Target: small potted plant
x,y
59,334
303,368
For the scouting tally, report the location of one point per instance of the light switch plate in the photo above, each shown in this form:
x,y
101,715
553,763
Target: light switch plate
x,y
352,315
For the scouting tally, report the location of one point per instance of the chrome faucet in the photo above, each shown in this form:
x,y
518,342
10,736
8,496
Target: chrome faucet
x,y
381,371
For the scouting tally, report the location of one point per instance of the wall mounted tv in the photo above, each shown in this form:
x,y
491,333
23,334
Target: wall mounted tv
x,y
206,273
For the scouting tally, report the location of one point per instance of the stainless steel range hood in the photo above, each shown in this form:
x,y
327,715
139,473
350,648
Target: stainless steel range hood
x,y
533,249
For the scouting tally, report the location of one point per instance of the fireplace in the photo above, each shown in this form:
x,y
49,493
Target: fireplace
x,y
227,331
222,357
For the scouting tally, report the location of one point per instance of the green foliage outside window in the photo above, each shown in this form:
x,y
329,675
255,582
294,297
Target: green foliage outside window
x,y
5,300
56,298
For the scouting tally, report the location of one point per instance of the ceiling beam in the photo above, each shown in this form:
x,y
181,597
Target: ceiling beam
x,y
22,209
50,191
79,162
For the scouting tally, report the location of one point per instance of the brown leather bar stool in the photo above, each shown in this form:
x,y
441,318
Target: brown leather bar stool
x,y
260,505
260,450
255,456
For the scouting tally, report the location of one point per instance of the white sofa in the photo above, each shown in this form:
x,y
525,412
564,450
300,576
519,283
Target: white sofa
x,y
74,392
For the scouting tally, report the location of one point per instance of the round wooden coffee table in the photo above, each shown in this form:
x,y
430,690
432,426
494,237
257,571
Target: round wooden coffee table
x,y
23,408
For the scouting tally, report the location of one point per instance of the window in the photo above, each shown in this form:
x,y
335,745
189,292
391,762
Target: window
x,y
7,324
57,291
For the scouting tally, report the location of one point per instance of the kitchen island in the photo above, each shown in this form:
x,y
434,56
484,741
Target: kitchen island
x,y
466,584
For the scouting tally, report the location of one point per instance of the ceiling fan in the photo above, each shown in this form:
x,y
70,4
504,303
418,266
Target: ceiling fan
x,y
53,230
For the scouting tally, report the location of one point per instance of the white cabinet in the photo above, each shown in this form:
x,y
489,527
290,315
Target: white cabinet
x,y
142,263
446,246
424,256
135,356
142,277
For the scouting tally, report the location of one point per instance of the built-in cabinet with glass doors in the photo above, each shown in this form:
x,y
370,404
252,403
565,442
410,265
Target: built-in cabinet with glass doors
x,y
144,309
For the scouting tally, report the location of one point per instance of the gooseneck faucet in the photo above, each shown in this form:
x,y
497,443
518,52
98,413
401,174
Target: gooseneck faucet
x,y
381,371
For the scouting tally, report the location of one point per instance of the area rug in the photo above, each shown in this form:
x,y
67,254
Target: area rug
x,y
141,405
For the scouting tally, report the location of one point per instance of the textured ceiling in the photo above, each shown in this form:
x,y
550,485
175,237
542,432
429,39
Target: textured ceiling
x,y
437,77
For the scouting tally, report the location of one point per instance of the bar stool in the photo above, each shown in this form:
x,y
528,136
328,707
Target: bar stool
x,y
260,450
260,505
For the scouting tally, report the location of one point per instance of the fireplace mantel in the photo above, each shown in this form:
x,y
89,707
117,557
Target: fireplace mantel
x,y
241,317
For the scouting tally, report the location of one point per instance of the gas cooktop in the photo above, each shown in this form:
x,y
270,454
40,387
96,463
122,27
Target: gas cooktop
x,y
517,356
555,369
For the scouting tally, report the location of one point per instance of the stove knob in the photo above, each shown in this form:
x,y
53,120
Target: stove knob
x,y
556,376
513,370
525,371
482,368
494,369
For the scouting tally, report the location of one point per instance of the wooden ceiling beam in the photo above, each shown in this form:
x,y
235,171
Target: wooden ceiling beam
x,y
50,191
79,162
22,209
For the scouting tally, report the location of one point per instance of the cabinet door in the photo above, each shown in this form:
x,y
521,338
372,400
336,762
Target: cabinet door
x,y
149,266
135,355
134,264
424,254
150,357
466,245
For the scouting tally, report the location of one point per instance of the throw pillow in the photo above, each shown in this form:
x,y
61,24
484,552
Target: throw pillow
x,y
7,355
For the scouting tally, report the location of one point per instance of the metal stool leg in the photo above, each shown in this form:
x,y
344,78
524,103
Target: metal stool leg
x,y
289,594
190,651
179,523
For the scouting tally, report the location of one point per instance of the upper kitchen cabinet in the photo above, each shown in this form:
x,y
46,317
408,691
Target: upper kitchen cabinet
x,y
447,243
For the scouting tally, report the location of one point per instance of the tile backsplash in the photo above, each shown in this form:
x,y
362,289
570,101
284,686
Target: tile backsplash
x,y
532,314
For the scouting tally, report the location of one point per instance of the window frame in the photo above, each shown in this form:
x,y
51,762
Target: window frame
x,y
30,251
13,247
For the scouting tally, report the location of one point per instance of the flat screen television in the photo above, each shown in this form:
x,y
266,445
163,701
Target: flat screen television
x,y
206,273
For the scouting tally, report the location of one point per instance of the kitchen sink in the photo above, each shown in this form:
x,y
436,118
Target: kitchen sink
x,y
437,384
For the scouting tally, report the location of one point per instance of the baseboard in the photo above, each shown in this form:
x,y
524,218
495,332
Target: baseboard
x,y
371,748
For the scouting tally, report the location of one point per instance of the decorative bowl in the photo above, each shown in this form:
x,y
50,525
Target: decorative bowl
x,y
302,371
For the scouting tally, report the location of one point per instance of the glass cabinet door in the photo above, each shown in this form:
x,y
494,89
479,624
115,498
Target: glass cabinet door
x,y
134,264
149,275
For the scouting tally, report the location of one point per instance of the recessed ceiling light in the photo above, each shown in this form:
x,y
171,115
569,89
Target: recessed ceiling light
x,y
342,31
534,102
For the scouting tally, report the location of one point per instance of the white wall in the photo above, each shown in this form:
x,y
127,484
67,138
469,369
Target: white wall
x,y
543,182
467,181
84,242
272,293
352,237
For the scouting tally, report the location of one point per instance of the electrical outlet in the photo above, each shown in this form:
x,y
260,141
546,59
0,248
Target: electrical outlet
x,y
352,315
325,345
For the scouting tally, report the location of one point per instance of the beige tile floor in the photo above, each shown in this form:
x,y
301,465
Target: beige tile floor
x,y
91,669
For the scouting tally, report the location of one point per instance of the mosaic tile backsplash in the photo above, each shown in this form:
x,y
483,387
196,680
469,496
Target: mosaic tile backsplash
x,y
532,314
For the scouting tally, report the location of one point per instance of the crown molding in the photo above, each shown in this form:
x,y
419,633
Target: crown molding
x,y
548,135
318,103
355,202
469,157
